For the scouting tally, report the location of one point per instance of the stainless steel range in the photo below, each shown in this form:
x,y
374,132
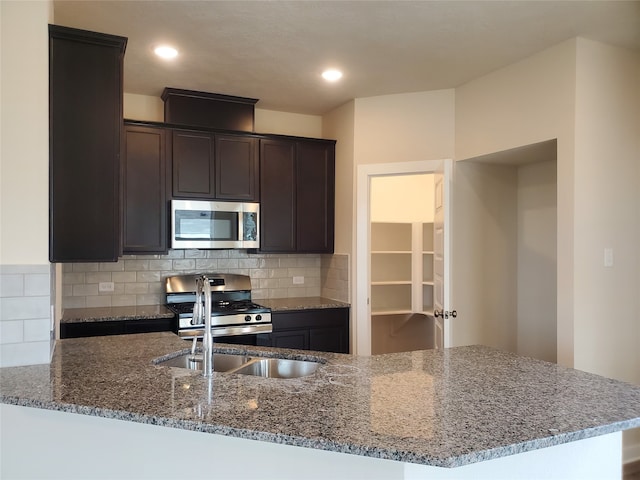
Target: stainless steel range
x,y
232,311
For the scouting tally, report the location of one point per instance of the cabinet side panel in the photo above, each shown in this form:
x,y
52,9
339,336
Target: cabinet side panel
x,y
85,130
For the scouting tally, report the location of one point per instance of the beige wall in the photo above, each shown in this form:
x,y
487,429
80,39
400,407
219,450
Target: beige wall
x,y
143,107
607,199
270,121
528,102
27,296
537,263
584,94
404,128
24,159
339,125
484,258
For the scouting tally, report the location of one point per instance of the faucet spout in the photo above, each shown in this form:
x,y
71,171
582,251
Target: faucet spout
x,y
203,286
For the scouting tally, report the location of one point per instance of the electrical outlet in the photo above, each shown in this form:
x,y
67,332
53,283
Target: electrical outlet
x,y
298,280
608,257
105,287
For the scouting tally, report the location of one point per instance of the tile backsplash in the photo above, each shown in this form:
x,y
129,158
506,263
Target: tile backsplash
x,y
139,279
25,314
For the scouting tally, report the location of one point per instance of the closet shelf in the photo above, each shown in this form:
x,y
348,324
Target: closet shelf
x,y
392,252
391,311
402,258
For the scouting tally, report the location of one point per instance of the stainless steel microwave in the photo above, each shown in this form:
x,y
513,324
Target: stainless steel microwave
x,y
204,224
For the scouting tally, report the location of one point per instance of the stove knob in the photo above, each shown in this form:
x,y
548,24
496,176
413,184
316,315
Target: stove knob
x,y
247,318
258,317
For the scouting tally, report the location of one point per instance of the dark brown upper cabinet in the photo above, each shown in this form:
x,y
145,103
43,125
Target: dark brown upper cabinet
x,y
237,168
193,166
297,190
315,196
85,130
214,166
277,196
145,207
208,110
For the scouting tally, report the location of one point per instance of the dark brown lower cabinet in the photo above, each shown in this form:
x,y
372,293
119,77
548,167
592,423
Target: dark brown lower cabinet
x,y
325,330
116,327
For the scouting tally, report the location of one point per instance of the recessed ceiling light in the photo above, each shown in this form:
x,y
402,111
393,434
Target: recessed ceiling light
x,y
165,51
332,75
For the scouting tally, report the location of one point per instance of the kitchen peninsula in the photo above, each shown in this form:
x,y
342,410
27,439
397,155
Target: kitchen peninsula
x,y
104,408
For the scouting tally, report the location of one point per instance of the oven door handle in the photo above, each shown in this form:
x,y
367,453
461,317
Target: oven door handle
x,y
228,330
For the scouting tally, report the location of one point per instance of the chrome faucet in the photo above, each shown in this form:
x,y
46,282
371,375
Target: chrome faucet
x,y
203,287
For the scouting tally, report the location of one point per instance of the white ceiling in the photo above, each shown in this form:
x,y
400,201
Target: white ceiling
x,y
275,50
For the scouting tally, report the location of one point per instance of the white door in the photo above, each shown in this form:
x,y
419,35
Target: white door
x,y
361,308
442,256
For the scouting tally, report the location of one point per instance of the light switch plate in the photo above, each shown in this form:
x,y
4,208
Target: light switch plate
x,y
608,257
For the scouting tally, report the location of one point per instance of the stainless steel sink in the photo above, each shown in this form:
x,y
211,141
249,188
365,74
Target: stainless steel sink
x,y
278,368
245,365
222,362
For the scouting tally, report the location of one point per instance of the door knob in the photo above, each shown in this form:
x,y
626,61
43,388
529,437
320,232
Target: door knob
x,y
445,314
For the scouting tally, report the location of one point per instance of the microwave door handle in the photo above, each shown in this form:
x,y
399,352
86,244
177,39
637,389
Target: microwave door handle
x,y
241,227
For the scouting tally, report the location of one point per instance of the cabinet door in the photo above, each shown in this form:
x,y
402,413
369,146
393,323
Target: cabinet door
x,y
315,180
146,325
324,329
144,190
277,196
91,329
329,339
85,125
236,168
193,164
298,339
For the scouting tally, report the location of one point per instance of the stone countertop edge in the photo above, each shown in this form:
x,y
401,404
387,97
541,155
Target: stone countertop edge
x,y
142,312
445,408
300,303
398,455
109,314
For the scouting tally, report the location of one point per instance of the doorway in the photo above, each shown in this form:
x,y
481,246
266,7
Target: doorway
x,y
401,259
394,259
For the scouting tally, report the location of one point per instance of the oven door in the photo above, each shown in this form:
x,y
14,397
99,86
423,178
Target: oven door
x,y
227,330
199,224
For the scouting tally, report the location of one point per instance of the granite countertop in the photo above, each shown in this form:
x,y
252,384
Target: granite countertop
x,y
444,408
106,314
300,303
